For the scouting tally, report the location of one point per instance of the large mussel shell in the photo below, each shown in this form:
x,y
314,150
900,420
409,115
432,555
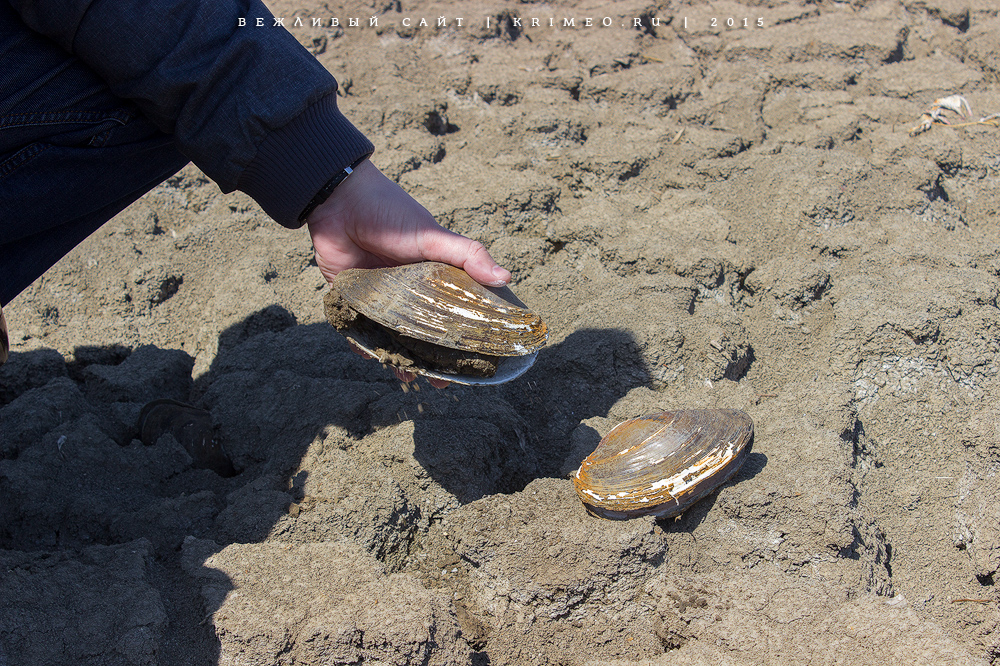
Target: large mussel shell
x,y
433,319
663,463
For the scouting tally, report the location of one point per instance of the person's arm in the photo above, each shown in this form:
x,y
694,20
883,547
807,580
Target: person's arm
x,y
249,105
256,112
4,341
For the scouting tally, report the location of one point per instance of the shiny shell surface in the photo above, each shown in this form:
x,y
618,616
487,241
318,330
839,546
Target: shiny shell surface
x,y
440,304
661,464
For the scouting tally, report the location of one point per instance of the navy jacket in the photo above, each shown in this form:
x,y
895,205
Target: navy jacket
x,y
249,105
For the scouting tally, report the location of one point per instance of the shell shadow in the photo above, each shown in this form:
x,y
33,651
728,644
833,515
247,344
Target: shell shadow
x,y
275,386
693,517
498,439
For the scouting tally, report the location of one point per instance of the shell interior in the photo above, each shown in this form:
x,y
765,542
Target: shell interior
x,y
661,464
441,304
508,368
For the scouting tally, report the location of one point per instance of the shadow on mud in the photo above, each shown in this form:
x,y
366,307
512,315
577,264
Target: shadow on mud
x,y
486,440
87,509
693,517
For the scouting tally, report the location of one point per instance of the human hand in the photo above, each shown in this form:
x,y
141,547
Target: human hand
x,y
370,222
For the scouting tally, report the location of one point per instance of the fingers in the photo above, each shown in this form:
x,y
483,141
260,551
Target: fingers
x,y
350,230
482,267
442,245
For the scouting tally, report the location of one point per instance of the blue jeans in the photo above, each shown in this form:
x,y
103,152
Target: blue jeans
x,y
72,155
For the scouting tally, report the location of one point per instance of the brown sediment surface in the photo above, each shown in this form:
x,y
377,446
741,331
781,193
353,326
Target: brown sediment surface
x,y
704,215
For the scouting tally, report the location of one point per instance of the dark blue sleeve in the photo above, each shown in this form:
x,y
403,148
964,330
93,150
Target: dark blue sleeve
x,y
249,105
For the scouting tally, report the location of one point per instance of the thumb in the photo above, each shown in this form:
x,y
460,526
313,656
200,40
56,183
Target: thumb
x,y
451,248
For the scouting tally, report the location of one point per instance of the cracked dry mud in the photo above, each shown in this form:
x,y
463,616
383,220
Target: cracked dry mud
x,y
708,217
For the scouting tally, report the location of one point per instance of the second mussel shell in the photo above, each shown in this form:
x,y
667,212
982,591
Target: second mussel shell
x,y
434,320
661,464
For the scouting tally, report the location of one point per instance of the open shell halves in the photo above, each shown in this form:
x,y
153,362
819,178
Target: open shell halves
x,y
421,311
661,464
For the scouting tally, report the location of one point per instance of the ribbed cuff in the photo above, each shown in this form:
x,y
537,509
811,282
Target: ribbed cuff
x,y
294,162
4,343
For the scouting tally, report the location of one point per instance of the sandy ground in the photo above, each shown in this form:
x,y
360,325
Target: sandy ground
x,y
704,215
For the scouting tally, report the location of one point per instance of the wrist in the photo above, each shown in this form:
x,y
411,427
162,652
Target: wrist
x,y
295,161
329,188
